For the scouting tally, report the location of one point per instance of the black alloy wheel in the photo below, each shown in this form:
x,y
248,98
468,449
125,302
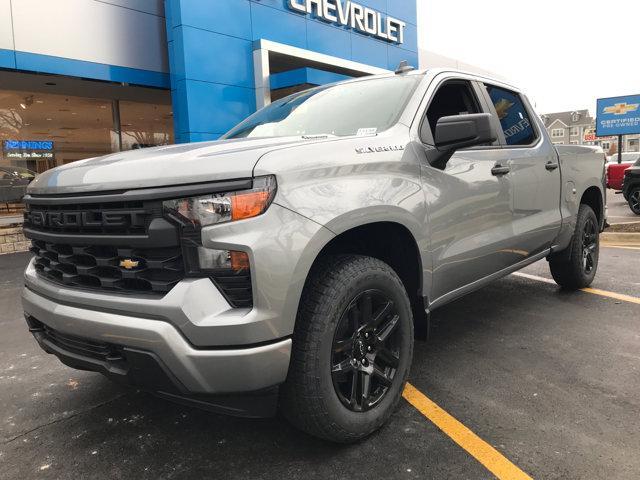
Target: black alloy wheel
x,y
634,200
366,350
589,246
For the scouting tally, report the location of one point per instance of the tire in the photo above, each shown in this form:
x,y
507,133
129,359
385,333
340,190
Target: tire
x,y
634,200
578,269
330,349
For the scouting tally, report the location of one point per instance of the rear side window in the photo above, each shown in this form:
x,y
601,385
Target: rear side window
x,y
515,120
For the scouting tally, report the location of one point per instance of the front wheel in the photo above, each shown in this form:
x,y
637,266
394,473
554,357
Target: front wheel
x,y
579,268
352,349
634,200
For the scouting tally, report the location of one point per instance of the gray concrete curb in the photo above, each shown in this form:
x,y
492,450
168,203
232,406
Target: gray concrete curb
x,y
620,237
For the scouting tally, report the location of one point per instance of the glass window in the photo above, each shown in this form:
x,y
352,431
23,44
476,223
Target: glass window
x,y
40,131
145,125
345,109
452,98
575,131
557,132
514,118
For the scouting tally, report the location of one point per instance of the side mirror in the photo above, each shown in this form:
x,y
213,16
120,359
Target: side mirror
x,y
460,131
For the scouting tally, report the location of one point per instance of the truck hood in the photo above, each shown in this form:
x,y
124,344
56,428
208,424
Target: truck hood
x,y
161,166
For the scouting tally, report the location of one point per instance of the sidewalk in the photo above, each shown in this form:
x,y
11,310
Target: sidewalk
x,y
10,219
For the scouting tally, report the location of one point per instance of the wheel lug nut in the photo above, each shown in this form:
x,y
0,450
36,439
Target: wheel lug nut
x,y
366,335
369,348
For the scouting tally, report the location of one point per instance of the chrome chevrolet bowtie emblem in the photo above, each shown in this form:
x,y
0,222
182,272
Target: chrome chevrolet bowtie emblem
x,y
129,264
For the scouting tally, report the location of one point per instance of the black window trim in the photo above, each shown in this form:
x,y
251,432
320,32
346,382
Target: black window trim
x,y
482,106
527,108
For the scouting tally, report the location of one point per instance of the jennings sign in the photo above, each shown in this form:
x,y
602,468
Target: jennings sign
x,y
28,149
357,17
618,116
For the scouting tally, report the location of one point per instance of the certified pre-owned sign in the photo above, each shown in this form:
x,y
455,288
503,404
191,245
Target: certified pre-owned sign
x,y
346,12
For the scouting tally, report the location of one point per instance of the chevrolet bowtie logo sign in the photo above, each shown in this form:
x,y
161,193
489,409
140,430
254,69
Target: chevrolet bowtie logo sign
x,y
129,264
621,108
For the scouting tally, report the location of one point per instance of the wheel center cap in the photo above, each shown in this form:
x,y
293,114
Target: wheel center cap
x,y
359,348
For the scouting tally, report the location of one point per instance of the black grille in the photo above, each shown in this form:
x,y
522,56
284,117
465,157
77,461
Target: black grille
x,y
113,218
90,244
235,286
78,345
154,270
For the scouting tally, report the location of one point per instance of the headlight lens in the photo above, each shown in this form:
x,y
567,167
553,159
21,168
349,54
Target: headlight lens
x,y
224,207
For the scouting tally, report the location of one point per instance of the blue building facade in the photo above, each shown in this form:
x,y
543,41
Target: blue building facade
x,y
211,46
159,71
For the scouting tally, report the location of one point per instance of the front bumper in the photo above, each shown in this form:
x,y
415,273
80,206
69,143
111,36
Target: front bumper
x,y
191,370
198,342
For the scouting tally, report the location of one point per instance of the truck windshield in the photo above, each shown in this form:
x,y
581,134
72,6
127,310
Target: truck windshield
x,y
356,108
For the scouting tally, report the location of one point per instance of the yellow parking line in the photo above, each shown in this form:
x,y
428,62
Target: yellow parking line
x,y
484,453
617,296
595,291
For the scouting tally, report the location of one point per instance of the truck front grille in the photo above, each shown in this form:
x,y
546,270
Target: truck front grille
x,y
109,268
112,218
109,245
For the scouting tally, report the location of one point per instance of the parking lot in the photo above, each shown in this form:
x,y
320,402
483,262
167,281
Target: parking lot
x,y
619,211
549,383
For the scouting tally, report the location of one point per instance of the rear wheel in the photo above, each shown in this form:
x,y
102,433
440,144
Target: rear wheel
x,y
352,348
634,200
578,269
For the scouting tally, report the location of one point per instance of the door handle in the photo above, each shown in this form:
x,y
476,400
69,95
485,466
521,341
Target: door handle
x,y
551,165
500,170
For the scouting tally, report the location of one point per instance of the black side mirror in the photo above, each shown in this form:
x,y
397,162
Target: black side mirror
x,y
460,131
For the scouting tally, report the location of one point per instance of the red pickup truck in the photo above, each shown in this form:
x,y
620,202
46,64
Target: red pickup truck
x,y
615,170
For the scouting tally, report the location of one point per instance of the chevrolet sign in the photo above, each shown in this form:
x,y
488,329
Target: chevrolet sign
x,y
357,17
618,116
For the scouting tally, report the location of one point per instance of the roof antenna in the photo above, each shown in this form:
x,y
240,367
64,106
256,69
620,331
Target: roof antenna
x,y
404,67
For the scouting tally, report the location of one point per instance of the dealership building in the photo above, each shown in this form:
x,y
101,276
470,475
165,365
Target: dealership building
x,y
81,78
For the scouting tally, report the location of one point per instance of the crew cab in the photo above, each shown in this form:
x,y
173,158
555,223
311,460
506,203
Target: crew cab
x,y
290,264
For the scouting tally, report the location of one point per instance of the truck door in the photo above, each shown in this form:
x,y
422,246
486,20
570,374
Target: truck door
x,y
470,201
534,171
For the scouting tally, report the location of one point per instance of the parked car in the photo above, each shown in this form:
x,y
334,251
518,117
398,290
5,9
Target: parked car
x,y
631,187
13,183
615,170
290,264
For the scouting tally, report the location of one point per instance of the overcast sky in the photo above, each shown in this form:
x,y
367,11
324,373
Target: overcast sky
x,y
564,53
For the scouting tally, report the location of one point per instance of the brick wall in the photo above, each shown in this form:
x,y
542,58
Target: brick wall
x,y
12,240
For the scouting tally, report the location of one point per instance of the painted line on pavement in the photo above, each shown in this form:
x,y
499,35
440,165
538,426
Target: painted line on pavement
x,y
595,291
484,453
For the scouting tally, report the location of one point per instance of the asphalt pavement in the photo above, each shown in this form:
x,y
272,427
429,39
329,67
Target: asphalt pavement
x,y
618,209
550,379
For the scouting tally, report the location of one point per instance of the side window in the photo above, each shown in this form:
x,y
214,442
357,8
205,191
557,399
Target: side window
x,y
515,120
453,98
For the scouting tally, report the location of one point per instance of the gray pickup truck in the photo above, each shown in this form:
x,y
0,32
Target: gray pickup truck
x,y
291,264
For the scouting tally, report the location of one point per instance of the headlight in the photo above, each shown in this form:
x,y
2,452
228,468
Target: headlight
x,y
224,207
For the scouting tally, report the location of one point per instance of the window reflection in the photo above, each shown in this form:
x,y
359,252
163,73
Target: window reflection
x,y
145,125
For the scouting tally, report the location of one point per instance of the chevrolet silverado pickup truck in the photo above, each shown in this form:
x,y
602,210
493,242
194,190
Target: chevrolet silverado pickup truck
x,y
290,265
